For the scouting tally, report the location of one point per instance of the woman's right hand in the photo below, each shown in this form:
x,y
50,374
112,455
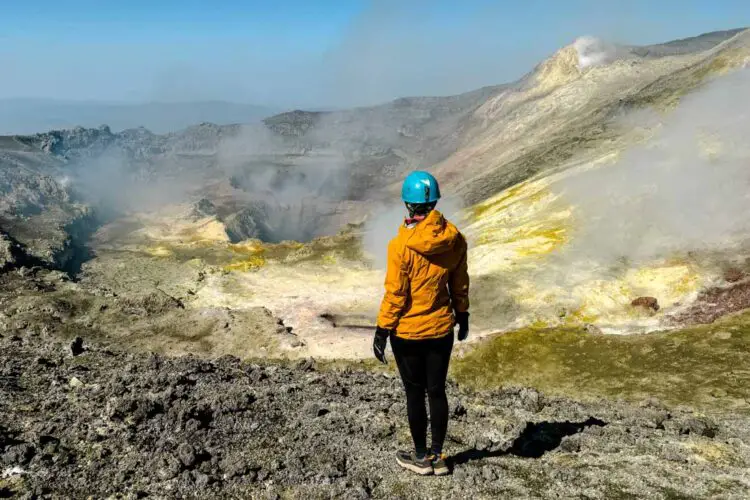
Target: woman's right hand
x,y
462,320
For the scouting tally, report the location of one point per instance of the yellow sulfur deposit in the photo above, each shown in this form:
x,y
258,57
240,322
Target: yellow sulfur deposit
x,y
515,234
520,223
160,251
250,264
249,247
669,281
210,230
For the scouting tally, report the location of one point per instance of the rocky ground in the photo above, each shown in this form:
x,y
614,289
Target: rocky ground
x,y
146,315
79,419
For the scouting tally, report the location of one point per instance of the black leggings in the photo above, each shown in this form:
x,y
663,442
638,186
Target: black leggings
x,y
423,365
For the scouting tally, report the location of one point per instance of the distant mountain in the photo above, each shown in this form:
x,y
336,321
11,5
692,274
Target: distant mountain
x,y
27,116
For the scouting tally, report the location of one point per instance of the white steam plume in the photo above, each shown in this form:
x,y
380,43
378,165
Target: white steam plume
x,y
385,220
687,190
256,153
295,191
593,51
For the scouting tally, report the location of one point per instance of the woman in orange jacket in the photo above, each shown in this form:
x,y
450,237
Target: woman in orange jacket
x,y
426,295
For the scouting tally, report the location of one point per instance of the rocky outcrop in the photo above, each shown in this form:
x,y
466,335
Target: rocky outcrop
x,y
55,238
73,143
293,123
11,254
242,226
713,303
203,208
38,212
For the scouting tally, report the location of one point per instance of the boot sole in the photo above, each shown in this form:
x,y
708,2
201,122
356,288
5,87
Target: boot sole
x,y
443,471
413,468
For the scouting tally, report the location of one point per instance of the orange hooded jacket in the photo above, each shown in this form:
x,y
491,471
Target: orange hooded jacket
x,y
426,279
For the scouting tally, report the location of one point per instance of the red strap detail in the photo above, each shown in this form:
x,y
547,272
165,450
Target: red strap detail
x,y
413,220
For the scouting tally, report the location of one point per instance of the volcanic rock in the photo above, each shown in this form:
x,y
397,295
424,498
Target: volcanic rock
x,y
733,275
649,303
180,427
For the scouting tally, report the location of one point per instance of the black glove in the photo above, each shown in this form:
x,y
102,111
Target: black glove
x,y
379,343
462,320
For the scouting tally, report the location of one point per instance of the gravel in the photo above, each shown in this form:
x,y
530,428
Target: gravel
x,y
138,425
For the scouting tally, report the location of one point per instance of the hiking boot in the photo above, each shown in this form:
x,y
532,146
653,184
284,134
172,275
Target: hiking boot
x,y
408,460
440,465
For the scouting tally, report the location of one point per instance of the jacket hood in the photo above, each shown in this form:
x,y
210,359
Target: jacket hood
x,y
432,236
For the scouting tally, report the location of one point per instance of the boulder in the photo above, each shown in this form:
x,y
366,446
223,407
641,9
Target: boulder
x,y
646,302
733,275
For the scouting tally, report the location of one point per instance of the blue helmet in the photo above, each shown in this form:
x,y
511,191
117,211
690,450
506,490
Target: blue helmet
x,y
420,187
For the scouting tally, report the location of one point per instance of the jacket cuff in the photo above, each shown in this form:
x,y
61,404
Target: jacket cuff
x,y
387,325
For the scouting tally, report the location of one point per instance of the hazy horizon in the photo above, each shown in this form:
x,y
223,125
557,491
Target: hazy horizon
x,y
299,54
28,115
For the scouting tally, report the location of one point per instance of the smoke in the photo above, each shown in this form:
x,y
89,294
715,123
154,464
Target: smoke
x,y
262,184
381,228
689,189
291,188
261,163
593,51
386,218
114,184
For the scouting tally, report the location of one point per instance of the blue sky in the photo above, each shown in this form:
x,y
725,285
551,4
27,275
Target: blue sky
x,y
316,52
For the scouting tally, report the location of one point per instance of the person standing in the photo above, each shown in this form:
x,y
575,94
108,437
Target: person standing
x,y
426,296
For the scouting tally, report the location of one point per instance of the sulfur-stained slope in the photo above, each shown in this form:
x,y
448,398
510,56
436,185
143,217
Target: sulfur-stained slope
x,y
596,185
563,113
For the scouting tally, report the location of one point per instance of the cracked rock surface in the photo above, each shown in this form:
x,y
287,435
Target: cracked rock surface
x,y
103,422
